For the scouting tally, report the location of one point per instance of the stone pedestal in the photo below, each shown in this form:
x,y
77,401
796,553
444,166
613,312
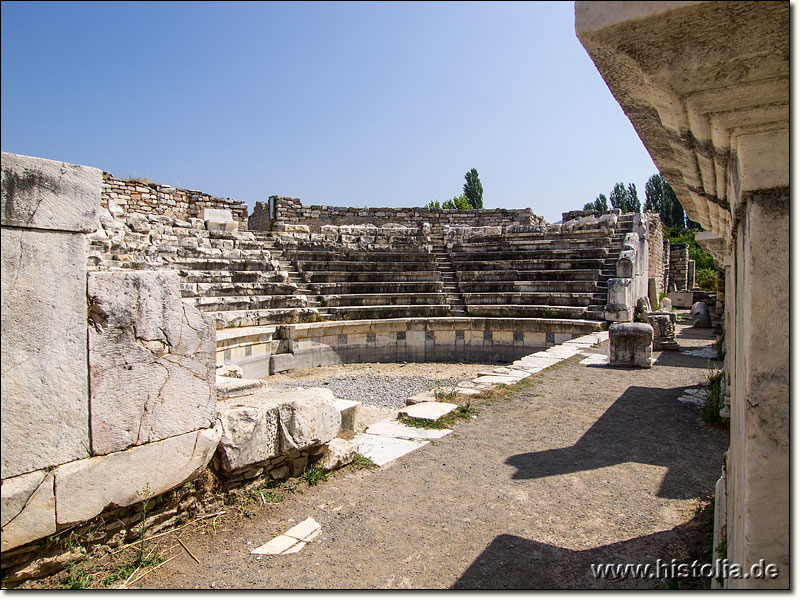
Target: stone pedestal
x,y
631,345
663,324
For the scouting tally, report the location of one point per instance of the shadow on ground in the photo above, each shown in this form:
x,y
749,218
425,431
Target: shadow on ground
x,y
644,425
512,562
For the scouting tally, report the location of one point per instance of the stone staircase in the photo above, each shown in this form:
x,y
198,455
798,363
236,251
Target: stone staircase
x,y
378,283
538,274
455,299
228,274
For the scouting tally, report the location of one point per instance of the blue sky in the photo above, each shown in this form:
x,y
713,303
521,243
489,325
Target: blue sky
x,y
351,104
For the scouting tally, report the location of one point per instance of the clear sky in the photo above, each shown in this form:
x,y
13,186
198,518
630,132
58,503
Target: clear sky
x,y
350,104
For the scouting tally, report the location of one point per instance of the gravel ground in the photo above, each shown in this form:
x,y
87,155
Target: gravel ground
x,y
379,384
586,465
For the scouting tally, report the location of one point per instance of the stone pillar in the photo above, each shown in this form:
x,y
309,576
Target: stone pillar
x,y
758,496
690,265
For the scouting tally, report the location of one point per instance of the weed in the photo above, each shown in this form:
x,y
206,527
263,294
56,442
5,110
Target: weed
x,y
445,395
313,475
714,399
77,578
146,495
362,462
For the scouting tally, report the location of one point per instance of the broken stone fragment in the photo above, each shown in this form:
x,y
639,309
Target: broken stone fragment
x,y
340,453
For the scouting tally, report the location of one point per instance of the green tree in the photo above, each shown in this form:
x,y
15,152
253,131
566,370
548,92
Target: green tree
x,y
457,203
600,204
661,198
473,190
625,199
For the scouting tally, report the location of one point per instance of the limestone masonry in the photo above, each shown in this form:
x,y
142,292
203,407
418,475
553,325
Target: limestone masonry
x,y
138,319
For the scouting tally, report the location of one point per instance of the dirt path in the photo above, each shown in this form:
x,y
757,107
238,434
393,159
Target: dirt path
x,y
588,464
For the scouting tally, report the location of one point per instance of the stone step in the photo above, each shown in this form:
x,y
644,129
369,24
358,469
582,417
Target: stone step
x,y
224,303
533,246
383,299
388,312
265,316
344,254
530,275
528,298
531,265
216,264
526,311
387,287
365,265
195,276
371,276
503,255
528,286
193,290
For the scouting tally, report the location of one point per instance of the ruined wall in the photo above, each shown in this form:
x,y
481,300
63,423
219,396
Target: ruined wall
x,y
678,266
655,261
133,196
97,396
290,211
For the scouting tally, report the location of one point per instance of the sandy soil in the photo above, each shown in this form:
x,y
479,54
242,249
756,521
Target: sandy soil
x,y
586,465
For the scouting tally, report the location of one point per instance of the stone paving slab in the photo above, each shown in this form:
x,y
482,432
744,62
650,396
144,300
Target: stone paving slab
x,y
395,429
594,359
382,450
428,411
496,379
563,351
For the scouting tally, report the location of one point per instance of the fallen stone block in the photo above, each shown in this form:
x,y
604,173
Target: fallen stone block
x,y
428,411
681,299
28,509
270,423
663,324
232,371
349,411
151,360
234,387
281,363
339,453
631,345
85,488
701,318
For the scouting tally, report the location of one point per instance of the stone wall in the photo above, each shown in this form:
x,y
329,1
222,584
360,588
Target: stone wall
x,y
282,211
655,259
678,266
134,196
78,416
459,339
